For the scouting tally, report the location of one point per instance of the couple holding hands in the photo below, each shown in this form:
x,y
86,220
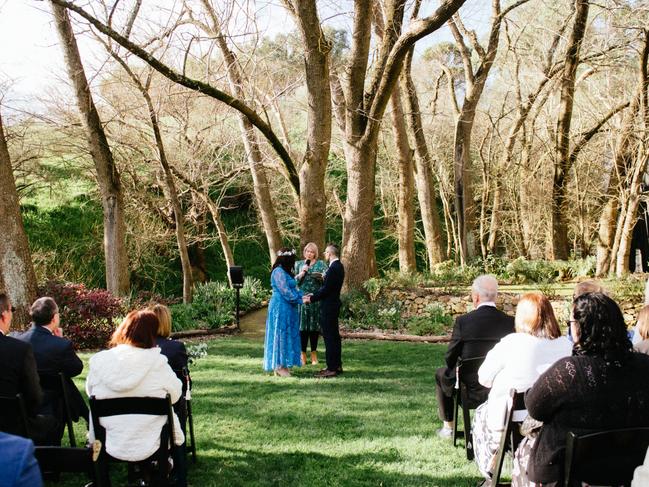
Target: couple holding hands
x,y
305,302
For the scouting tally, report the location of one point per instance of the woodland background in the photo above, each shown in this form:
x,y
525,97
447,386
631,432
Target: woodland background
x,y
200,141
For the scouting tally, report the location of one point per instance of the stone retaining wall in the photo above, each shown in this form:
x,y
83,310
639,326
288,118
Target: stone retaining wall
x,y
416,301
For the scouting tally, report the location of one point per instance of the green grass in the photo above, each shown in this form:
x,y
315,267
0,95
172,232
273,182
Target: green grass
x,y
373,426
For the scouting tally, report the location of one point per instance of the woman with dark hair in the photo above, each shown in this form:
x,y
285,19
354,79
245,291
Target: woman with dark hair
x,y
515,363
603,385
134,367
282,343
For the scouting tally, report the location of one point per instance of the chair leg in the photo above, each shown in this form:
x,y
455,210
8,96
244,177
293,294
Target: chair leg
x,y
456,407
468,437
192,440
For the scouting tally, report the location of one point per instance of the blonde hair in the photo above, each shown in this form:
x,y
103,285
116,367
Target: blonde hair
x,y
313,247
643,322
535,316
589,286
164,319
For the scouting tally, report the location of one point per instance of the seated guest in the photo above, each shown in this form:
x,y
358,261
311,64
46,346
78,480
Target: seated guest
x,y
134,367
603,385
176,355
642,331
54,354
474,334
18,466
19,376
515,363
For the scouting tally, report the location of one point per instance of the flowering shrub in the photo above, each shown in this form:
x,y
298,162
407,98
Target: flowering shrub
x,y
88,316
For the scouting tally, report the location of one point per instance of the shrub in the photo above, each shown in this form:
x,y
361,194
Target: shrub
x,y
88,316
214,304
540,271
629,289
359,312
435,321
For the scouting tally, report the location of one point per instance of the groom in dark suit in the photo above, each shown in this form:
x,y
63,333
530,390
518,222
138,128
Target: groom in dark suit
x,y
329,295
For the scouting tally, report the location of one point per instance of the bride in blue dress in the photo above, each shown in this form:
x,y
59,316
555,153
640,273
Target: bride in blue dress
x,y
282,344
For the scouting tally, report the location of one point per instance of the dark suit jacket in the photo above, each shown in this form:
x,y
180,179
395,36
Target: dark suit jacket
x,y
329,293
474,334
55,355
19,372
176,355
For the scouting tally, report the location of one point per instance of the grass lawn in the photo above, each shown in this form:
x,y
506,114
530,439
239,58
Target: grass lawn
x,y
373,426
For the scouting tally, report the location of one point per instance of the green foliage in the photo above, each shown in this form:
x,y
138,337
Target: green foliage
x,y
214,305
629,288
359,312
450,273
435,321
539,271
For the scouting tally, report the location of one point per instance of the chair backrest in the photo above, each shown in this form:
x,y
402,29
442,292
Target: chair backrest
x,y
467,367
472,394
605,457
154,406
13,415
64,459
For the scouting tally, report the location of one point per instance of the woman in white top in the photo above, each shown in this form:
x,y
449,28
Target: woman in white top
x,y
515,363
134,367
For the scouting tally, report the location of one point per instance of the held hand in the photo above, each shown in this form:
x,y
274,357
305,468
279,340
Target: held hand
x,y
304,269
58,332
306,299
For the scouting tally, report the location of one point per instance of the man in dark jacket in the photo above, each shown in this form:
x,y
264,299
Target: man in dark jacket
x,y
19,376
54,354
329,295
474,334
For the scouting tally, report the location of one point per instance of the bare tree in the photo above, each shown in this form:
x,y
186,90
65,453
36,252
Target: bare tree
x,y
117,271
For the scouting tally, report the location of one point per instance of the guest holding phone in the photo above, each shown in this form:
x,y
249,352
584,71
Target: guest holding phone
x,y
309,274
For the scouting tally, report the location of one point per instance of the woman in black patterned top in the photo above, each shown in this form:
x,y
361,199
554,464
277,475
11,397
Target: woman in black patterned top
x,y
603,385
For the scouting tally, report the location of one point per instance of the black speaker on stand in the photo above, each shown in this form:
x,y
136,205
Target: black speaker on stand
x,y
236,279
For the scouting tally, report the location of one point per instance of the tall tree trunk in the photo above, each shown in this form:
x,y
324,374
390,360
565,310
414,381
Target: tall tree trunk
x,y
559,226
179,217
250,140
313,207
17,277
406,211
475,81
423,169
117,271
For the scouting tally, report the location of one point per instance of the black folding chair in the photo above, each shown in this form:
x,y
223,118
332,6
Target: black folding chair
x,y
102,408
511,437
190,418
67,415
466,370
13,415
58,459
605,457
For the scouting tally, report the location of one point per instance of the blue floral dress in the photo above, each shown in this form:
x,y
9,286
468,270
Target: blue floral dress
x,y
282,343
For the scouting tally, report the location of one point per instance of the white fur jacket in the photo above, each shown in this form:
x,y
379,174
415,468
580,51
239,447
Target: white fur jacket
x,y
127,371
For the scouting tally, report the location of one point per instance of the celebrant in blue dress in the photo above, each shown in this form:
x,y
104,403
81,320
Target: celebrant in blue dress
x,y
282,343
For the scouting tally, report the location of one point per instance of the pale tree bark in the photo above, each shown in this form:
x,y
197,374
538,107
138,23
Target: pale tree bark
x,y
606,238
559,225
423,164
117,271
17,277
406,211
629,216
475,78
406,187
313,205
365,109
249,136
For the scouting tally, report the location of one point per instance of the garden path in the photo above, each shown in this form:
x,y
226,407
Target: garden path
x,y
253,324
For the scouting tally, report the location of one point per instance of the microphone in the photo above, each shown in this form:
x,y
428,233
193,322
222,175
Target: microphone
x,y
306,263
